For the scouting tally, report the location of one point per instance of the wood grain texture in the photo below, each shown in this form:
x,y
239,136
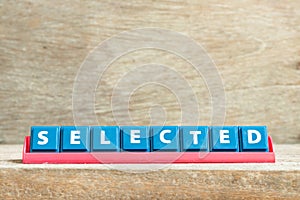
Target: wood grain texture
x,y
178,181
254,44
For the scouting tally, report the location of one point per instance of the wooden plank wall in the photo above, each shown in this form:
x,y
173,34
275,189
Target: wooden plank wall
x,y
254,44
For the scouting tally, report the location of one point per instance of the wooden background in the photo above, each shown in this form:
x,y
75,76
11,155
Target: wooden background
x,y
254,44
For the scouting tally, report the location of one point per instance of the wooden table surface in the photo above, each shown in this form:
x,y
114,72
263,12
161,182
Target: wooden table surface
x,y
280,180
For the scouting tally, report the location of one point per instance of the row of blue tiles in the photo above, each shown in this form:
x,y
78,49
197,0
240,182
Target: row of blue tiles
x,y
154,138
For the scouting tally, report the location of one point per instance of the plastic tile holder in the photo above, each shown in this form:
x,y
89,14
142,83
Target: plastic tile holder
x,y
145,157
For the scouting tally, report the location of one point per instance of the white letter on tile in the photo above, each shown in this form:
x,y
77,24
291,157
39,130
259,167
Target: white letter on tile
x,y
102,140
134,136
224,139
250,138
195,134
162,136
41,135
75,137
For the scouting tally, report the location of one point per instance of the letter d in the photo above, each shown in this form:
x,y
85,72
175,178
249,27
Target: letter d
x,y
250,137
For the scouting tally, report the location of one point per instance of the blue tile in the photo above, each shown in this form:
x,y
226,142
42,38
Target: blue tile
x,y
45,138
254,138
194,138
224,138
135,138
165,138
105,138
75,138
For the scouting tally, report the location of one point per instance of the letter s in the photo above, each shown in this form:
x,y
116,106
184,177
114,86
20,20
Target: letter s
x,y
41,135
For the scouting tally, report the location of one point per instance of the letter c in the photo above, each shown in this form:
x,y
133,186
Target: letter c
x,y
162,136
